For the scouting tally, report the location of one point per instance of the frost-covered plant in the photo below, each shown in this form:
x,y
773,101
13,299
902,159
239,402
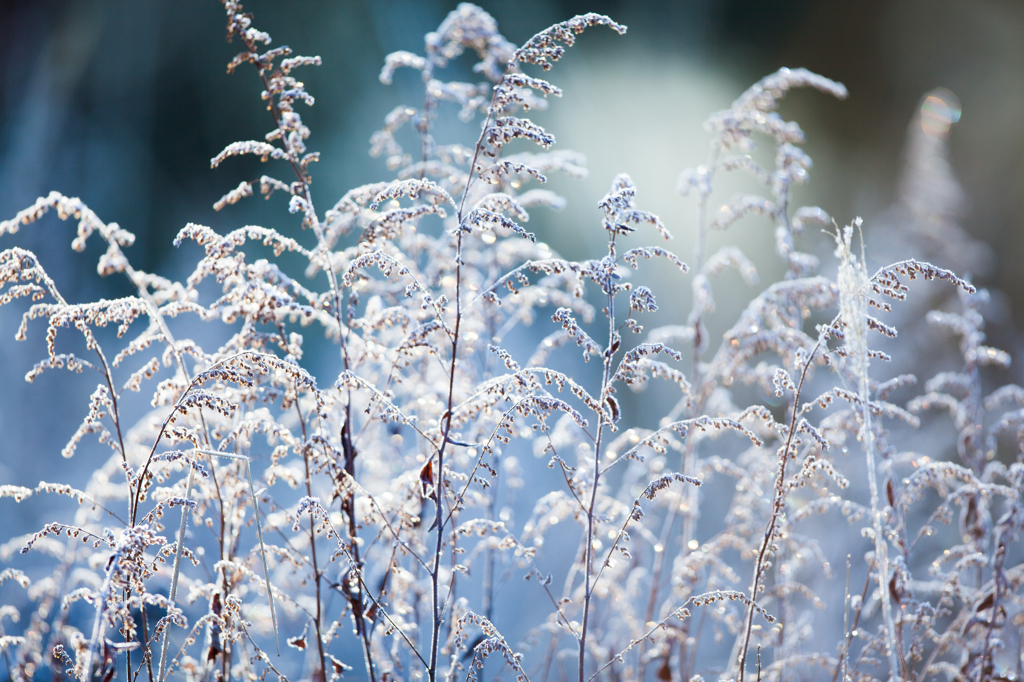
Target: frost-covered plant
x,y
376,511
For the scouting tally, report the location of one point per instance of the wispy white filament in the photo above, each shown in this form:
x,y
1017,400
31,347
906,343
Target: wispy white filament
x,y
853,284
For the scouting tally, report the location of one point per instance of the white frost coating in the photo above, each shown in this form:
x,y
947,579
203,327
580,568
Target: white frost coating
x,y
853,284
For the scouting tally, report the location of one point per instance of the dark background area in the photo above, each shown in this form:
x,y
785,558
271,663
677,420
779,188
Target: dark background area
x,y
123,103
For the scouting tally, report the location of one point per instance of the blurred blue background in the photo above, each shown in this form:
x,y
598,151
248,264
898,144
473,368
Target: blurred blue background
x,y
123,103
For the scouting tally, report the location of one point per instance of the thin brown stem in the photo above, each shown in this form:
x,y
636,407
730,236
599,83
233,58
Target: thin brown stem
x,y
348,505
348,449
656,569
317,575
115,414
146,653
439,484
778,504
128,654
589,539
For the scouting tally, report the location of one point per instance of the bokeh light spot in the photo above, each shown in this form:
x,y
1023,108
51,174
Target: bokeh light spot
x,y
939,110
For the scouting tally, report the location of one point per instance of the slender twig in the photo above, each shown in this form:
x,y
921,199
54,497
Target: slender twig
x,y
846,619
778,504
172,595
842,665
147,656
364,588
439,484
681,612
588,556
317,575
328,268
262,654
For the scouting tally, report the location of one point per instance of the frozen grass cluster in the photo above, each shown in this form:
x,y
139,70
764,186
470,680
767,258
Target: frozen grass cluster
x,y
261,521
